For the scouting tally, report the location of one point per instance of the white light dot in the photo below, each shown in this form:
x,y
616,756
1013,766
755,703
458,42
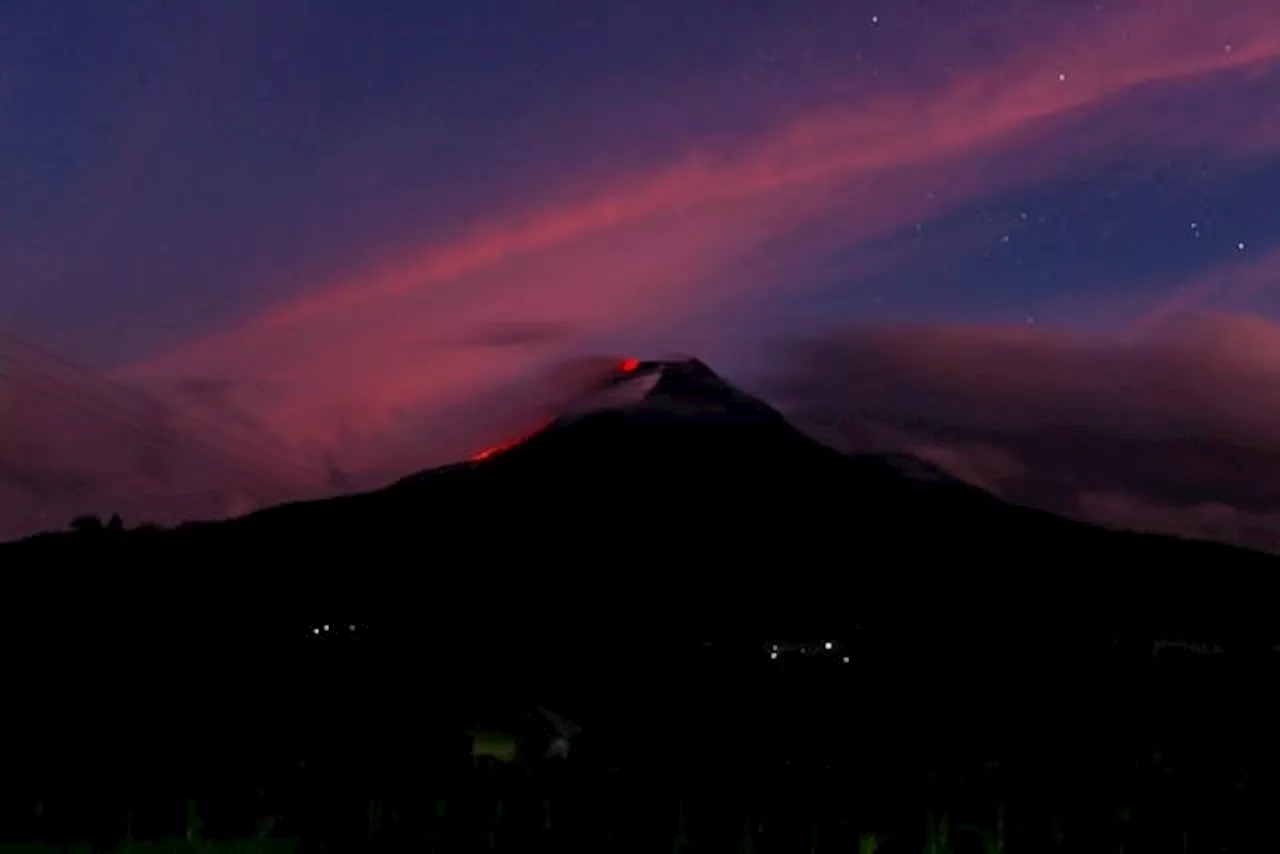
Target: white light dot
x,y
1241,246
1062,76
1195,225
326,627
773,655
1226,48
353,628
828,644
315,631
875,19
845,659
775,647
802,650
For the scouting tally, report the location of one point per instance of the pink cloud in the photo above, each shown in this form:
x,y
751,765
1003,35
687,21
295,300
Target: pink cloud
x,y
1141,44
1233,284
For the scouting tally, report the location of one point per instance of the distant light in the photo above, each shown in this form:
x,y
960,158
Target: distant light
x,y
326,627
315,631
845,659
828,644
775,647
802,650
629,366
1241,246
773,655
353,628
1062,77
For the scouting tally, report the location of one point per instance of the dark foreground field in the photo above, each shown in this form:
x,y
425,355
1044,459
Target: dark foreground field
x,y
1162,768
1158,802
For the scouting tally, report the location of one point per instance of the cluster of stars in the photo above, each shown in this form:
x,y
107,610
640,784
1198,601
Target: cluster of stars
x,y
778,651
335,628
1198,233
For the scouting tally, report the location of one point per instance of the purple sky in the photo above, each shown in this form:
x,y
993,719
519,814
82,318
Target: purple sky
x,y
342,241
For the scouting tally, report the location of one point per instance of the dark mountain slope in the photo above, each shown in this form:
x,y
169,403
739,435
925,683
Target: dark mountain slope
x,y
581,567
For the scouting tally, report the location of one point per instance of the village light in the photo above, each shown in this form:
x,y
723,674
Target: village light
x,y
828,644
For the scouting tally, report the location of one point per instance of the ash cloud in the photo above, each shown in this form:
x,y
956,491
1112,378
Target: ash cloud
x,y
1176,434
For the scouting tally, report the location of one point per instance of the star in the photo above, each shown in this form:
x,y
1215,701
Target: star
x,y
1062,76
1241,246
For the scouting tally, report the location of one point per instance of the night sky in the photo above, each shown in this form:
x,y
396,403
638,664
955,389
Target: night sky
x,y
339,241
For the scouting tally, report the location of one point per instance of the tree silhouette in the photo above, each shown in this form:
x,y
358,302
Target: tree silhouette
x,y
115,525
86,523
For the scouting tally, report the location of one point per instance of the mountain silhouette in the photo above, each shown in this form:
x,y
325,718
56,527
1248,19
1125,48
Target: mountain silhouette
x,y
581,567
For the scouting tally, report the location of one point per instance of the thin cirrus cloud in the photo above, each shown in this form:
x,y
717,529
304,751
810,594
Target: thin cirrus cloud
x,y
658,245
973,111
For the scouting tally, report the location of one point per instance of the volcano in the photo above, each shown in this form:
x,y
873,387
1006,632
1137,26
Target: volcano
x,y
582,566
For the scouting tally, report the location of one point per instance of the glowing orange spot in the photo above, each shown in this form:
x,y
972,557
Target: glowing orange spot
x,y
496,449
506,446
630,365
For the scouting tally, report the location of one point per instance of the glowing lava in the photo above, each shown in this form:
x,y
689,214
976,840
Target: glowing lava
x,y
626,366
494,450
